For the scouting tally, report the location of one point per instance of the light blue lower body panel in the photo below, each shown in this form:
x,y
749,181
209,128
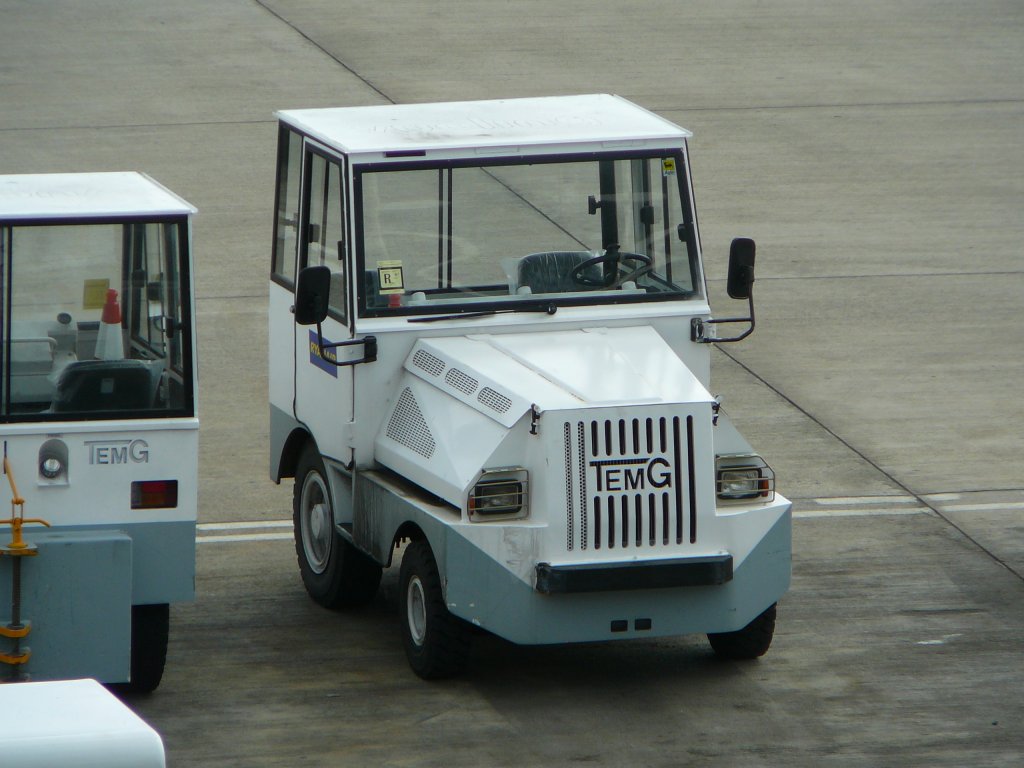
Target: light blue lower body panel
x,y
77,594
163,558
486,594
163,562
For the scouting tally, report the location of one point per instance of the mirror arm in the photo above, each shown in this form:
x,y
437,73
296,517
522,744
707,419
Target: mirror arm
x,y
699,330
369,349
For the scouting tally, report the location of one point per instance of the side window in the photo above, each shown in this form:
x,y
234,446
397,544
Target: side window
x,y
324,241
289,166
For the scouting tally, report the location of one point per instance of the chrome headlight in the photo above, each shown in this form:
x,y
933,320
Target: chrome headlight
x,y
743,477
499,494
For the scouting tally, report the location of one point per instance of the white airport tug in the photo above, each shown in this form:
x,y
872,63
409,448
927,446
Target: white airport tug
x,y
98,423
489,338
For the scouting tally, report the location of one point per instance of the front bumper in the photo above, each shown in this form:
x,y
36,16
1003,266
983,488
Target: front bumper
x,y
710,570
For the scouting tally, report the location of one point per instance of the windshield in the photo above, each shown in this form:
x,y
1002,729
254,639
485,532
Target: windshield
x,y
459,237
94,321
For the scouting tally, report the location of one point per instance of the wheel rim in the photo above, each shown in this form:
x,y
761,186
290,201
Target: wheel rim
x,y
416,610
315,523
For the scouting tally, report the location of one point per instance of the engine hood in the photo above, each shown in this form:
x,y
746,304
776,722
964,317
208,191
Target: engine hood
x,y
502,376
459,398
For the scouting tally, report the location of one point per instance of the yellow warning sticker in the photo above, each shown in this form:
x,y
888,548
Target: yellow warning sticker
x,y
389,277
94,294
668,166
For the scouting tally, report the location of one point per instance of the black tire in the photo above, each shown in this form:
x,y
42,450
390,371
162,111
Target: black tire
x,y
150,628
334,572
436,642
748,643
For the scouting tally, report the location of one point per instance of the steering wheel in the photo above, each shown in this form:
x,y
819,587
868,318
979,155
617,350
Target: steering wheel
x,y
611,256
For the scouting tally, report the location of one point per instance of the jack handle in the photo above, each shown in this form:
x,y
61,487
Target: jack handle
x,y
16,521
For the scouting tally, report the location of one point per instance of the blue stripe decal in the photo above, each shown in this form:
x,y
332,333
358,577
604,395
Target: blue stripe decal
x,y
317,359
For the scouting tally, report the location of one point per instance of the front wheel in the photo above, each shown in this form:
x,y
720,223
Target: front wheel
x,y
436,642
748,643
334,572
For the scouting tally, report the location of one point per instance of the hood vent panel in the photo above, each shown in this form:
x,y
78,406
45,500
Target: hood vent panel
x,y
461,381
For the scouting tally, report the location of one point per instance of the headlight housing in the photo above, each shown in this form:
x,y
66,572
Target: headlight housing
x,y
743,477
499,494
53,463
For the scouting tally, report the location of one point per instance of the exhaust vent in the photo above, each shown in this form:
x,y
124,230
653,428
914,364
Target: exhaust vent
x,y
408,427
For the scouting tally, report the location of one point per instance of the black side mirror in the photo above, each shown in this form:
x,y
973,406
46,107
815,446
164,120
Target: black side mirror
x,y
740,285
312,291
741,268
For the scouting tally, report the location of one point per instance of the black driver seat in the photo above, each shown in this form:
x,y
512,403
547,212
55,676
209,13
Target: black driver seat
x,y
549,271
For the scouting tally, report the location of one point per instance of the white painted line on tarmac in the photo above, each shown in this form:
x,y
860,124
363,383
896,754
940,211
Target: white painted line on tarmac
x,y
858,506
859,512
851,501
249,525
996,506
840,506
244,531
234,537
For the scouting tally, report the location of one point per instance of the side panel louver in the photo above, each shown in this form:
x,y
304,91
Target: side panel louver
x,y
408,427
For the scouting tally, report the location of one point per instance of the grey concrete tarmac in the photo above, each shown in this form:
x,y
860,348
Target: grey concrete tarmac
x,y
874,150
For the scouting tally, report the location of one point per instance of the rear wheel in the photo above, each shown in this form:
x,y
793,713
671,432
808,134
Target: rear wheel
x,y
747,643
334,572
436,642
150,628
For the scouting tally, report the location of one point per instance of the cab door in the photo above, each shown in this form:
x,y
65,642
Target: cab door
x,y
323,390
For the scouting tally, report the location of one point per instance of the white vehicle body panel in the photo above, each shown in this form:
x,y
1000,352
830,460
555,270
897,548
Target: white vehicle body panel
x,y
552,123
74,722
92,195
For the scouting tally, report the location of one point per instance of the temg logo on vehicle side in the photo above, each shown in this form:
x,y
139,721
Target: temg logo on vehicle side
x,y
107,452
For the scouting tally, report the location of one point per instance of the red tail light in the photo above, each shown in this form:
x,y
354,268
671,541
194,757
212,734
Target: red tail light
x,y
154,494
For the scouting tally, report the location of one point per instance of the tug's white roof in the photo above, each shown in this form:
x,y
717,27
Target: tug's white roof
x,y
602,119
86,195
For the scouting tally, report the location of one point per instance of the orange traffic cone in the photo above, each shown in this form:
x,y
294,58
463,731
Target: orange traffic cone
x,y
109,344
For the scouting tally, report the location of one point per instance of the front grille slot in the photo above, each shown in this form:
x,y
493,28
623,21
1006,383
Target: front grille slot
x,y
630,483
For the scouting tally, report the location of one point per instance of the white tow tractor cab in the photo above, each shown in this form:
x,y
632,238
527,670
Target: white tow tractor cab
x,y
489,335
98,421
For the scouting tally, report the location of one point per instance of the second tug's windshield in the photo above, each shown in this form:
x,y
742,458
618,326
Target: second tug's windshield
x,y
459,237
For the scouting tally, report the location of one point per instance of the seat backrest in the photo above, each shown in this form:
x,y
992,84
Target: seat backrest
x,y
548,272
104,385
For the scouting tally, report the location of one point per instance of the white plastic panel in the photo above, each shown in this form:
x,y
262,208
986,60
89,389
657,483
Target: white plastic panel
x,y
434,440
607,366
74,722
83,195
505,124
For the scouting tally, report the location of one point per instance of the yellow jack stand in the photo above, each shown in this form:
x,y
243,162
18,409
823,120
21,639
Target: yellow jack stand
x,y
17,548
